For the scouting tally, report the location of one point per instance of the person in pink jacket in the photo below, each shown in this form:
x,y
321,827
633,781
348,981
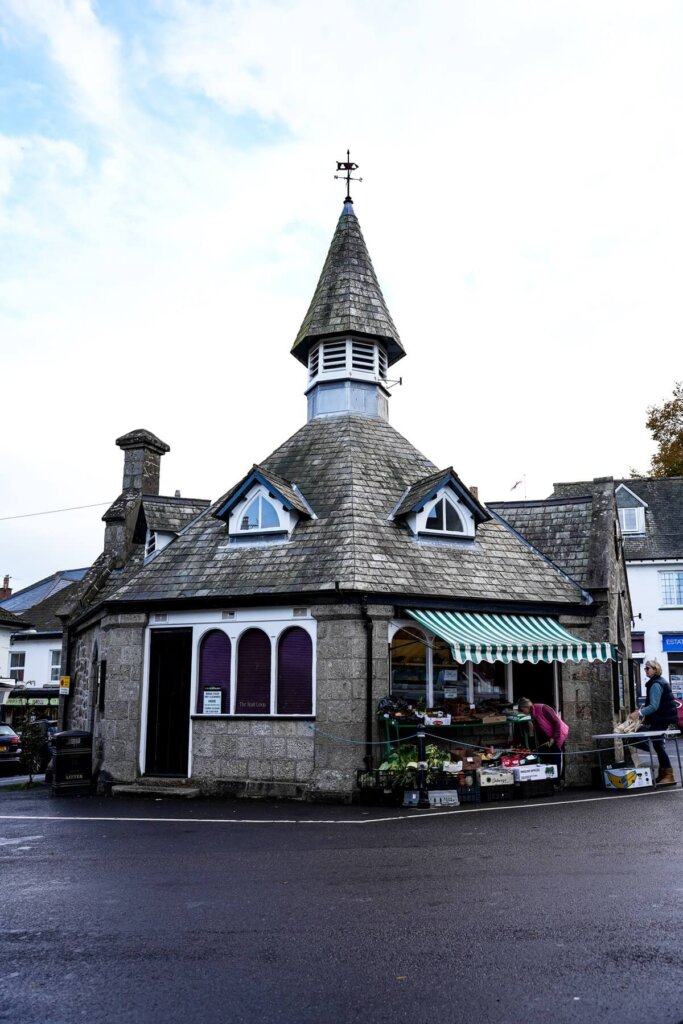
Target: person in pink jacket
x,y
547,723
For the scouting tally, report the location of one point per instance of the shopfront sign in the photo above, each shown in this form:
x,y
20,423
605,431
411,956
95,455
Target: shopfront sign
x,y
213,699
672,642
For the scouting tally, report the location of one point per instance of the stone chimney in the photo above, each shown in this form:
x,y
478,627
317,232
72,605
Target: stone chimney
x,y
142,461
5,589
141,471
474,491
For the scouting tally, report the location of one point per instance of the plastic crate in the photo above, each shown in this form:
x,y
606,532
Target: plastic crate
x,y
494,794
469,794
451,780
534,788
377,789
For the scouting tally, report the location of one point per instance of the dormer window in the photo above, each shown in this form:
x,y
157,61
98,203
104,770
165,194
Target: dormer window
x,y
263,508
632,520
260,514
150,544
440,506
444,518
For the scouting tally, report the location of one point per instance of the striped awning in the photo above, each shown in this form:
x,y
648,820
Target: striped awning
x,y
474,636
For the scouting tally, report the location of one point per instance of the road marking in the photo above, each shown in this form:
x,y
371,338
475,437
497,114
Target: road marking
x,y
22,839
413,816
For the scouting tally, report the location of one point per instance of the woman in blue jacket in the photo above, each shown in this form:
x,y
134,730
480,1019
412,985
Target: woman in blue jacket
x,y
659,712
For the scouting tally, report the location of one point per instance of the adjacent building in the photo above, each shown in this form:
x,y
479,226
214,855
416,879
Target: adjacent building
x,y
651,519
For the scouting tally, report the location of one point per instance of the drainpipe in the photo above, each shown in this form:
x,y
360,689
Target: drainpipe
x,y
65,670
369,628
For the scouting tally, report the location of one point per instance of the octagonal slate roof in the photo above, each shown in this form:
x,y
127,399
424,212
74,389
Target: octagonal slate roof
x,y
353,471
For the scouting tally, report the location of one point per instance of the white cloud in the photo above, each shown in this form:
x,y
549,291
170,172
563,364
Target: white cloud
x,y
85,51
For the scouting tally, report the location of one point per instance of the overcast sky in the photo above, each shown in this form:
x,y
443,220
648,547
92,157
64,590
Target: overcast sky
x,y
167,200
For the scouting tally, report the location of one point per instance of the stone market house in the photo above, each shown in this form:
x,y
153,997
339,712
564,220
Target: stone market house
x,y
248,654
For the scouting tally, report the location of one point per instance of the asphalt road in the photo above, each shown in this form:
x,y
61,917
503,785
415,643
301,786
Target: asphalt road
x,y
116,911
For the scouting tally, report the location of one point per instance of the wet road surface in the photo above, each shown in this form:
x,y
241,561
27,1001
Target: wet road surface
x,y
137,911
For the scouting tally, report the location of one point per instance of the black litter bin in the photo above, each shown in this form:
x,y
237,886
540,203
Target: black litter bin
x,y
72,764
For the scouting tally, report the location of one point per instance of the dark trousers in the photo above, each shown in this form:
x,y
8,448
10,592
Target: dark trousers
x,y
659,747
554,755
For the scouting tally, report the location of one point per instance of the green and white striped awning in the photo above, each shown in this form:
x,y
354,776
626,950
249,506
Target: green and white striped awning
x,y
474,636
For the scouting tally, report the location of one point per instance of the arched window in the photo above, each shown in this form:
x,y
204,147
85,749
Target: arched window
x,y
213,691
445,518
260,514
253,674
295,673
408,665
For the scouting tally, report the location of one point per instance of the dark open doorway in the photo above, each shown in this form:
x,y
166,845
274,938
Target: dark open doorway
x,y
168,702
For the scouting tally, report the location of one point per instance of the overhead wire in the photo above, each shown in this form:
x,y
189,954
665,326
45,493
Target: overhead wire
x,y
53,511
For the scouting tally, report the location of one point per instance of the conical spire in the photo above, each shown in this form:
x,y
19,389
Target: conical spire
x,y
348,299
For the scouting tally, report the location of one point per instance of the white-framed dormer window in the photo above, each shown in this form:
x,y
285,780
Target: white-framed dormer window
x,y
260,514
632,520
444,516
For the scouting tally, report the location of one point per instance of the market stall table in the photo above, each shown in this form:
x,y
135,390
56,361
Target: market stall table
x,y
649,735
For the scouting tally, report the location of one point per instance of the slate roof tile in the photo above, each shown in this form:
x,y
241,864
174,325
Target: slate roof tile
x,y
663,537
348,297
353,470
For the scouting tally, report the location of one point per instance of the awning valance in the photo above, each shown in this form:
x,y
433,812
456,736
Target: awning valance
x,y
475,636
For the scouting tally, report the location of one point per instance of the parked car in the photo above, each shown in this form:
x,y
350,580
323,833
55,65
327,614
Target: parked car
x,y
10,750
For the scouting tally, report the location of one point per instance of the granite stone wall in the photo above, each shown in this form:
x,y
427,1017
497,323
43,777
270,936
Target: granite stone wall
x,y
123,644
304,760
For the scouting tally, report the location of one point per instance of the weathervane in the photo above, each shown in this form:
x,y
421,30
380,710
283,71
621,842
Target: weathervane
x,y
348,166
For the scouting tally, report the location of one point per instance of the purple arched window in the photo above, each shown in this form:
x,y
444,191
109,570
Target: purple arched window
x,y
253,674
295,673
214,673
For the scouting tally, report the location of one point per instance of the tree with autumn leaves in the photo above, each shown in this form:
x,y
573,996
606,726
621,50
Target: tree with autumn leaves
x,y
665,423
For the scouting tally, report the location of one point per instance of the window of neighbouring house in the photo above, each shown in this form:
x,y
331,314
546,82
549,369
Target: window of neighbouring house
x,y
638,643
252,695
213,689
672,587
55,665
17,665
444,518
632,520
260,514
295,673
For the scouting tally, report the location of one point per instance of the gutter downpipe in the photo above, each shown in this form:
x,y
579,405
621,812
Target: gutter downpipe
x,y
65,669
369,633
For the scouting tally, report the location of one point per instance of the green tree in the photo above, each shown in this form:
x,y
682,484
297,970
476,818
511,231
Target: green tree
x,y
32,741
665,423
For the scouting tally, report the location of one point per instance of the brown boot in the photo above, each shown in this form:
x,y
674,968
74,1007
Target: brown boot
x,y
666,777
